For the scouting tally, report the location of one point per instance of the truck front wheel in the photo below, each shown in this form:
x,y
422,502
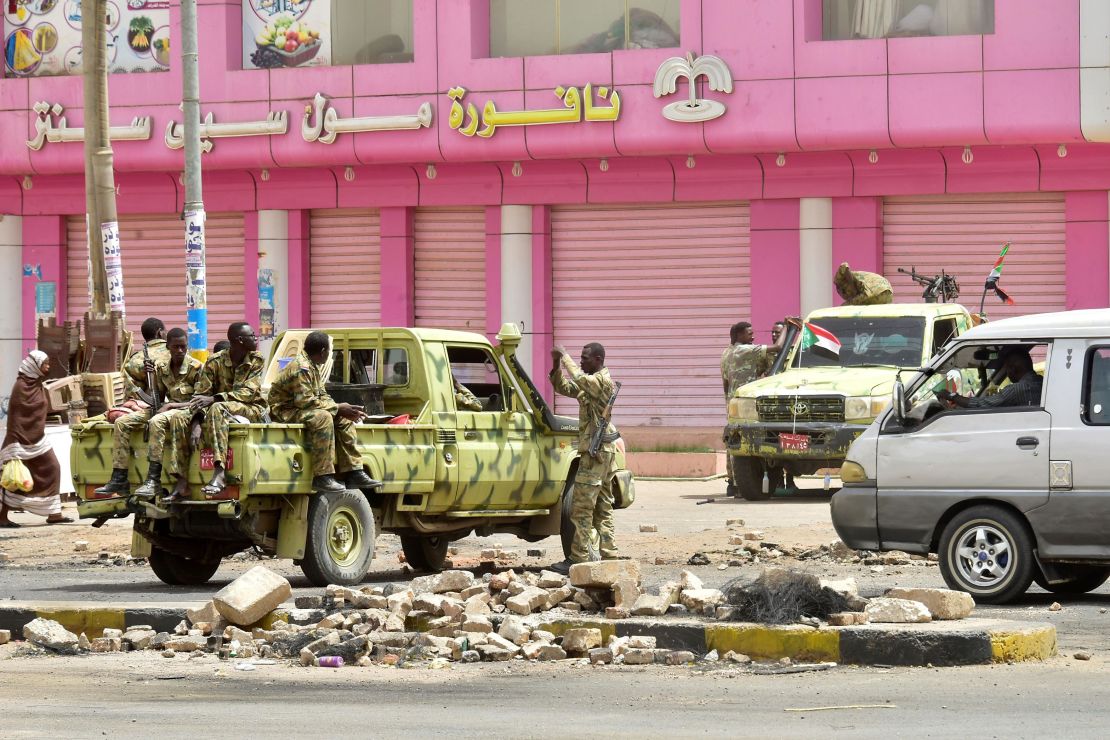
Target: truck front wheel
x,y
340,546
175,570
426,554
747,472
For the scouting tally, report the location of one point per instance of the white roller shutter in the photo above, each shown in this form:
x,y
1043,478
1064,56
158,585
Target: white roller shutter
x,y
963,235
451,268
659,286
345,269
154,269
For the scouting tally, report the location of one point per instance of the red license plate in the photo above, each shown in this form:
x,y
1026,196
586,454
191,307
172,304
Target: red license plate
x,y
796,442
208,459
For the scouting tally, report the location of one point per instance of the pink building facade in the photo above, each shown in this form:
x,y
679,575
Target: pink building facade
x,y
578,196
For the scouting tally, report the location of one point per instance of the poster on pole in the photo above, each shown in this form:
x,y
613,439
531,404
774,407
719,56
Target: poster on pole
x,y
113,264
43,37
286,33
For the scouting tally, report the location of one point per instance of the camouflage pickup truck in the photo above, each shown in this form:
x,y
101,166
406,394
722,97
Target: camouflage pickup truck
x,y
445,471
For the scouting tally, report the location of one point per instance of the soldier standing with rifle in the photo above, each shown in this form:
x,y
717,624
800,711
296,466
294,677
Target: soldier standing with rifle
x,y
592,494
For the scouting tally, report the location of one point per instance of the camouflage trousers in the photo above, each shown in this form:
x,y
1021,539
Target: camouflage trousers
x,y
217,418
126,425
331,440
591,506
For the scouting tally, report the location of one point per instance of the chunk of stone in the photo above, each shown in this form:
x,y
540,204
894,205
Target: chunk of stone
x,y
680,657
5,637
559,595
429,602
207,613
351,650
847,619
642,642
187,643
649,606
494,654
500,642
551,579
697,599
81,546
169,653
734,522
755,535
331,621
578,641
617,612
400,602
83,642
542,636
140,639
452,580
734,657
649,527
531,599
941,602
50,634
897,611
476,623
570,606
846,587
601,656
736,539
107,645
639,656
604,573
252,596
625,594
514,630
309,602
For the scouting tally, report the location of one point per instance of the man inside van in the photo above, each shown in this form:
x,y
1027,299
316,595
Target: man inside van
x,y
1024,389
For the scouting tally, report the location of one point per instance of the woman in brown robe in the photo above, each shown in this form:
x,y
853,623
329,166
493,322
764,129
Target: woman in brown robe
x,y
26,440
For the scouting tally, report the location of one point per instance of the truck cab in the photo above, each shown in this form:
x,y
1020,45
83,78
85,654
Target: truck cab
x,y
804,418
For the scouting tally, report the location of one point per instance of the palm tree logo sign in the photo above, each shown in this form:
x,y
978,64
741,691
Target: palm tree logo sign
x,y
717,76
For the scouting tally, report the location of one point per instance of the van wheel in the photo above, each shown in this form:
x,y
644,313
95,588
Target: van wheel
x,y
175,570
748,474
987,551
1080,579
566,528
340,544
426,554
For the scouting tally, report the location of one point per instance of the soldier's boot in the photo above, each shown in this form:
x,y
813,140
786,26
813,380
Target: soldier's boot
x,y
327,484
117,485
152,486
562,568
358,480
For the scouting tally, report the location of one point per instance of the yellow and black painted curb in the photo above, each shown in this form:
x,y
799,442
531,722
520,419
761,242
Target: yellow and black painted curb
x,y
965,642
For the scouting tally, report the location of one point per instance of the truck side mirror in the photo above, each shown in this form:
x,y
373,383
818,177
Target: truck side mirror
x,y
898,401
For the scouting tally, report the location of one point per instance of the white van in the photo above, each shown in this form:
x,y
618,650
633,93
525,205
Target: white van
x,y
1010,482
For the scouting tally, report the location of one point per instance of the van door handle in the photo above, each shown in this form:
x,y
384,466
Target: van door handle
x,y
1028,443
470,435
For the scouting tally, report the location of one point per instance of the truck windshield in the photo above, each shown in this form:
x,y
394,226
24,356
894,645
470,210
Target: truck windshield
x,y
879,340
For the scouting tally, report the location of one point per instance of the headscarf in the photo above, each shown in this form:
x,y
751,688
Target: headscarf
x,y
31,367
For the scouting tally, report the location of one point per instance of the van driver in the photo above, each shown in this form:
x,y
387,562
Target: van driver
x,y
1024,389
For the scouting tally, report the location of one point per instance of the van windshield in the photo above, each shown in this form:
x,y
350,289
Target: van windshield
x,y
882,340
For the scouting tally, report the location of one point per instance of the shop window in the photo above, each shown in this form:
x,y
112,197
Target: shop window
x,y
879,19
42,38
542,27
313,33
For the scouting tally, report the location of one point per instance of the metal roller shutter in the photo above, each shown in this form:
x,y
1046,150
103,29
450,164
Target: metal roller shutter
x,y
345,272
964,234
154,269
451,268
659,286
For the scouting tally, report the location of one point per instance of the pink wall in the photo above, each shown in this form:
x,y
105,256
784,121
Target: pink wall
x,y
300,314
398,269
1088,256
44,250
775,263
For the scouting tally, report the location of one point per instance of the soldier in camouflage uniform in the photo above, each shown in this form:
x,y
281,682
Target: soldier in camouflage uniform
x,y
464,399
298,396
175,381
134,382
230,385
859,288
592,494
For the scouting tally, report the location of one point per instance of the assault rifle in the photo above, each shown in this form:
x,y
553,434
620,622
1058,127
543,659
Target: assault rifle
x,y
940,288
153,390
600,436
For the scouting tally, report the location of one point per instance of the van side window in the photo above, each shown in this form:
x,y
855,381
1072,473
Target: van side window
x,y
1096,387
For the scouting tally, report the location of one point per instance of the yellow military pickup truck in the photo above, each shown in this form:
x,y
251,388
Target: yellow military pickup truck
x,y
445,472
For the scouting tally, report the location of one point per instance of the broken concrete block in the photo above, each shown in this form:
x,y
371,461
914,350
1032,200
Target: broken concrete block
x,y
688,581
642,642
559,595
50,634
755,535
697,599
846,587
476,623
501,581
639,656
847,619
330,622
736,539
106,645
601,656
604,573
80,546
625,594
187,643
897,611
111,632
5,637
752,546
680,657
578,641
527,601
452,580
740,658
400,602
139,639
570,606
548,651
252,596
617,612
941,602
307,602
429,602
551,579
495,654
734,522
500,642
514,630
649,606
649,528
207,613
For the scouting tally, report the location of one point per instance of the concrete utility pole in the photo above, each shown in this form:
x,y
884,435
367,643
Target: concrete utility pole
x,y
106,268
196,295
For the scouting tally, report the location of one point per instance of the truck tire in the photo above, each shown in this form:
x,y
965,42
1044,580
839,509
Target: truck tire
x,y
748,474
566,528
425,554
1081,579
987,551
175,570
341,532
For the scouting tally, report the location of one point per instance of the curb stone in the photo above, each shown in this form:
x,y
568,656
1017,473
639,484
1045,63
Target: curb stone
x,y
972,641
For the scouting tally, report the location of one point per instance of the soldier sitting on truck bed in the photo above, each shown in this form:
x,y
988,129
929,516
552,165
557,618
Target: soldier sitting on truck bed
x,y
298,396
230,385
134,381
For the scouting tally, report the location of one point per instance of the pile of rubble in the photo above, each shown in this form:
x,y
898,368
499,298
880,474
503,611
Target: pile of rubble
x,y
454,616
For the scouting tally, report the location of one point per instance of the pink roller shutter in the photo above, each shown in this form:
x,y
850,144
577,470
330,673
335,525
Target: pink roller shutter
x,y
451,268
154,269
964,234
345,269
659,286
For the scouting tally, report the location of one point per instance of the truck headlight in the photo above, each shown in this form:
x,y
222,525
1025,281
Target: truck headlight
x,y
742,409
857,408
852,472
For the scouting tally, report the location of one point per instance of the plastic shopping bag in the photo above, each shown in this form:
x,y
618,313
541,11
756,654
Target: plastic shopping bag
x,y
16,477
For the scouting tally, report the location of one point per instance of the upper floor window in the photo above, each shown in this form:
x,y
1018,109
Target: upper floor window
x,y
313,33
542,27
42,38
879,19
